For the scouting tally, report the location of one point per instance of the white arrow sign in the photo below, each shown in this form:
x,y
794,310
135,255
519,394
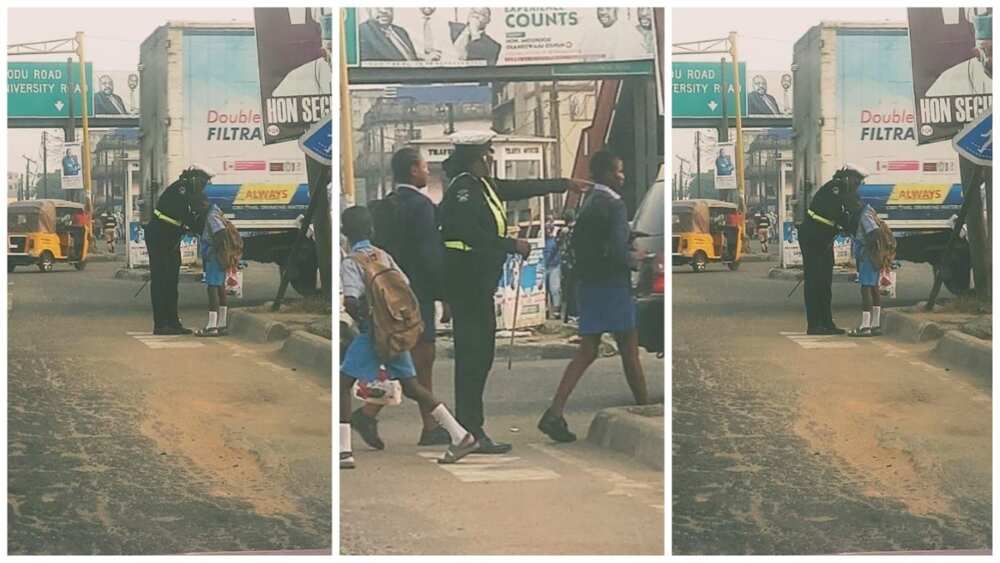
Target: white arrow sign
x,y
59,105
712,105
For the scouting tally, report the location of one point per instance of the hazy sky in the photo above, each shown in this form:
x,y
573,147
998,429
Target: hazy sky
x,y
765,42
111,42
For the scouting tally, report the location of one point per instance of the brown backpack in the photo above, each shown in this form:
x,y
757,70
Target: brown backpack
x,y
231,250
393,308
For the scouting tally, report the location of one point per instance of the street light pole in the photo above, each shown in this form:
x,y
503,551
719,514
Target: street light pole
x,y
739,123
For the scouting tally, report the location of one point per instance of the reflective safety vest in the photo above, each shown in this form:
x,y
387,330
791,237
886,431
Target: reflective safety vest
x,y
497,207
166,218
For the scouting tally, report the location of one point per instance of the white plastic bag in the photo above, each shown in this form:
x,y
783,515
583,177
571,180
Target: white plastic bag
x,y
382,391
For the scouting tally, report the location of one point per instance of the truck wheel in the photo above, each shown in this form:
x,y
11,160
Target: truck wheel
x,y
46,261
957,276
699,262
302,279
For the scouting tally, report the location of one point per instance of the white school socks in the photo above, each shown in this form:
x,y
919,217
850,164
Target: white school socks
x,y
866,319
223,314
448,422
213,319
345,437
876,316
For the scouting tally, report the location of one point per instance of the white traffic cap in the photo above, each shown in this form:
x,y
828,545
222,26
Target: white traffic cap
x,y
848,167
204,169
472,138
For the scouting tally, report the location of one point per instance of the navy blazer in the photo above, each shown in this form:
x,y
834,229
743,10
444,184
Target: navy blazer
x,y
421,250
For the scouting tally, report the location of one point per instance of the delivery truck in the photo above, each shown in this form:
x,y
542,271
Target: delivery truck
x,y
854,104
200,104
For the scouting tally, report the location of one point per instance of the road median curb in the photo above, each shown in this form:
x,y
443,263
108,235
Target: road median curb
x,y
142,275
965,351
309,350
635,431
903,326
256,327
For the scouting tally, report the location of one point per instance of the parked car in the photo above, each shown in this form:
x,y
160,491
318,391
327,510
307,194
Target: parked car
x,y
648,281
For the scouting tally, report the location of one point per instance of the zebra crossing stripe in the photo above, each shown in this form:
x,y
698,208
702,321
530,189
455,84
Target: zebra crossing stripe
x,y
165,341
482,469
817,341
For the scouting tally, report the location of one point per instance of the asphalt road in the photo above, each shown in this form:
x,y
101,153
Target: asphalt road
x,y
540,499
791,445
122,443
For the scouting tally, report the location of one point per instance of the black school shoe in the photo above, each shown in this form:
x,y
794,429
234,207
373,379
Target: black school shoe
x,y
436,437
555,427
170,330
367,427
489,447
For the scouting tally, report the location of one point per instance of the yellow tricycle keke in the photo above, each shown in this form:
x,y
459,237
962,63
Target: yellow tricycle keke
x,y
707,230
42,232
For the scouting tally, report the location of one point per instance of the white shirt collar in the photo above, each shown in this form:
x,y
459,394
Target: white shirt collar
x,y
607,190
421,191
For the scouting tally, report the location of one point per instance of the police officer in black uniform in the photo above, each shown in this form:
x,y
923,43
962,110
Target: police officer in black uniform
x,y
175,214
474,231
828,214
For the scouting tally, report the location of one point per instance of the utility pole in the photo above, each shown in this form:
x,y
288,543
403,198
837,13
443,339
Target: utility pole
x,y
697,150
27,174
724,125
740,172
555,127
45,162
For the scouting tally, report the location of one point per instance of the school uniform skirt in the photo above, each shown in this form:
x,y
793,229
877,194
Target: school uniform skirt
x,y
605,306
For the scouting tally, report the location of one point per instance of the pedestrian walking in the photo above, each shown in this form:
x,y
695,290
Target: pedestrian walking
x,y
553,271
359,272
212,245
828,215
604,261
763,228
474,229
873,247
174,215
409,229
109,223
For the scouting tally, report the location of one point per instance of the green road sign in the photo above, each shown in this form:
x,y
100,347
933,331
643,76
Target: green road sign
x,y
351,36
41,89
612,68
697,89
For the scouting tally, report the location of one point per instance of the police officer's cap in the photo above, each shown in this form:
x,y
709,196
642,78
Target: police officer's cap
x,y
472,138
852,170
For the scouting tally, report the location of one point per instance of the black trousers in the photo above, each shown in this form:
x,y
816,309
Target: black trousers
x,y
474,325
164,247
817,266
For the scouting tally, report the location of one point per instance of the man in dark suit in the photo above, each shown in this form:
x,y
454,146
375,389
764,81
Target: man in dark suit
x,y
470,39
380,40
762,103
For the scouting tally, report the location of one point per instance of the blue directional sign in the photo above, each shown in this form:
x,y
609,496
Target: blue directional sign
x,y
317,142
975,141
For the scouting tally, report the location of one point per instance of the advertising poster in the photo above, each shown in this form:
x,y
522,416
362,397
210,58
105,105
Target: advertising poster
x,y
530,282
792,253
138,255
952,54
769,93
117,93
725,166
226,124
71,165
879,128
465,37
293,49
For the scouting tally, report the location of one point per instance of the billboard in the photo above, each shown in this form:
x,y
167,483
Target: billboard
x,y
71,165
117,93
529,279
879,124
725,166
770,93
696,89
468,37
42,89
223,114
293,52
952,54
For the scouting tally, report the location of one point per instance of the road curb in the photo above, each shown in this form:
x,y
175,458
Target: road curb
x,y
965,351
309,350
527,352
902,326
255,327
635,431
795,274
142,275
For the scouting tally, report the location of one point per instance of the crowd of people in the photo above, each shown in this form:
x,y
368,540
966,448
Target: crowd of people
x,y
454,253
